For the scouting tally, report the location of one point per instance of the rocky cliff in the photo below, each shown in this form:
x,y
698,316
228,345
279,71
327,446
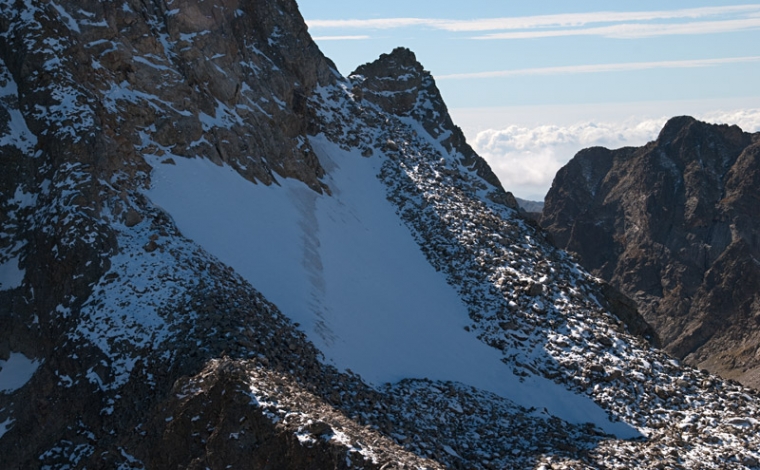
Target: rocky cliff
x,y
136,137
673,226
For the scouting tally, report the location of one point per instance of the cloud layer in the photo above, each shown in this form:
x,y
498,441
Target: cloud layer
x,y
636,30
526,158
606,23
597,68
341,38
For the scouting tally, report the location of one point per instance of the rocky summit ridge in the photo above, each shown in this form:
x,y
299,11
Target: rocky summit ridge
x,y
673,226
129,340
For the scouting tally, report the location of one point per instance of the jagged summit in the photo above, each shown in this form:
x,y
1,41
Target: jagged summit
x,y
674,126
670,225
396,82
684,127
400,85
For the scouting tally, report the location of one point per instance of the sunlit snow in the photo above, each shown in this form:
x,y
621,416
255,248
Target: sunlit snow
x,y
348,270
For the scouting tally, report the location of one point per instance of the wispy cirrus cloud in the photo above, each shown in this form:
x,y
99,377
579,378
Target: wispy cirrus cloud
x,y
621,24
340,38
379,23
598,68
571,20
636,30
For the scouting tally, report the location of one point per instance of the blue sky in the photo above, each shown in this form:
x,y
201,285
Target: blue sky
x,y
531,83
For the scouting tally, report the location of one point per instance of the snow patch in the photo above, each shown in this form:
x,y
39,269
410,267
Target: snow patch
x,y
68,20
18,133
16,372
122,316
224,117
23,199
11,276
5,426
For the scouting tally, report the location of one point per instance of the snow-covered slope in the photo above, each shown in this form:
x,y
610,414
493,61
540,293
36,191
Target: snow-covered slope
x,y
346,268
408,270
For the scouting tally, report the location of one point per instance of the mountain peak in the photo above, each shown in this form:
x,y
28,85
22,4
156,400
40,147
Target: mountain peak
x,y
667,224
395,81
400,56
686,129
677,123
398,84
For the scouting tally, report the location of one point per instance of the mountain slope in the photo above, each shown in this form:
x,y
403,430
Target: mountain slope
x,y
218,252
531,206
672,226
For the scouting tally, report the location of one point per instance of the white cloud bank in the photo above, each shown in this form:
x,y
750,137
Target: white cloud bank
x,y
526,158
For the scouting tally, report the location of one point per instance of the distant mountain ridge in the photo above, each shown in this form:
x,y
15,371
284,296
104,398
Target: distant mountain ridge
x,y
216,252
530,206
673,225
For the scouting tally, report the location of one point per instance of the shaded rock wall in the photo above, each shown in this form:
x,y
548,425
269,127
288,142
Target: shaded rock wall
x,y
672,225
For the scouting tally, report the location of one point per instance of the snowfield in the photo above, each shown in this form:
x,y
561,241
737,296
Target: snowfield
x,y
330,263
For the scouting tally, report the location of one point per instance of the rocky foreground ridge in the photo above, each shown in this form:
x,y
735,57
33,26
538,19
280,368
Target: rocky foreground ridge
x,y
674,226
125,344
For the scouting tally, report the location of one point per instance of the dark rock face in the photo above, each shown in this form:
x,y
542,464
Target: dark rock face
x,y
625,309
673,225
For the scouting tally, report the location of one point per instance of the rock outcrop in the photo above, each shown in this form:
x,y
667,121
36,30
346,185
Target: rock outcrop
x,y
673,226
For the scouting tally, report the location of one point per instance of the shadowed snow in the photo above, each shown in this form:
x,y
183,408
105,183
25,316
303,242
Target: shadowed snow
x,y
16,372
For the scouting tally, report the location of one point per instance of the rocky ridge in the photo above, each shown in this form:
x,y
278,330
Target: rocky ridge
x,y
150,353
671,225
531,207
534,303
